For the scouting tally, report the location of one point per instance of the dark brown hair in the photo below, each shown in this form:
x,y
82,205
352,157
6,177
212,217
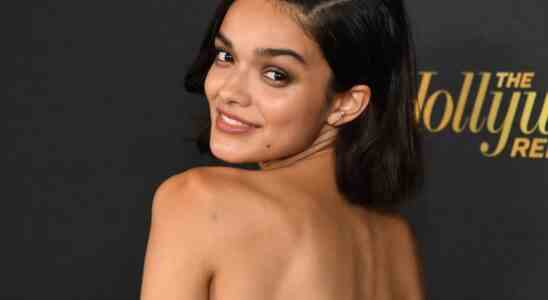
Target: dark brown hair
x,y
378,154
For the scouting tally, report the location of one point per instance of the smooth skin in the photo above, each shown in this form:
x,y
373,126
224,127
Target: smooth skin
x,y
284,231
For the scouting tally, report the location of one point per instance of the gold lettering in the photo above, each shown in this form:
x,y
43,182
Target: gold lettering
x,y
506,126
426,78
514,80
498,121
476,125
526,114
527,79
537,148
447,112
543,118
494,112
520,147
501,77
458,125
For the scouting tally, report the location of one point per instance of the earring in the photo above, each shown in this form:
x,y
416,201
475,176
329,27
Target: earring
x,y
339,115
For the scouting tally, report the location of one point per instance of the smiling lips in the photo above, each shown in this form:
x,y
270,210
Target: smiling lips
x,y
232,124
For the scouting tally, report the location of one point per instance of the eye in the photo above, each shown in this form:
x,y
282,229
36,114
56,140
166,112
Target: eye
x,y
223,56
276,76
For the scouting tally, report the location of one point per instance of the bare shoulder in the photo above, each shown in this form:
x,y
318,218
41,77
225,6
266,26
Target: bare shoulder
x,y
404,260
196,223
199,185
234,203
182,193
398,230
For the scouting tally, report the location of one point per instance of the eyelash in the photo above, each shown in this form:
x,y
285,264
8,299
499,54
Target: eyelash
x,y
283,75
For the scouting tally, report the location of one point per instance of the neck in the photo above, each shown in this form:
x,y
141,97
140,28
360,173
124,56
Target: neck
x,y
321,149
312,170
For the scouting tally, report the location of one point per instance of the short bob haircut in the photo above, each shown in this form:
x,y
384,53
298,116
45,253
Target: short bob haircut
x,y
378,154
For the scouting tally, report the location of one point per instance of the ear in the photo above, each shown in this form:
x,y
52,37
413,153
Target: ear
x,y
348,105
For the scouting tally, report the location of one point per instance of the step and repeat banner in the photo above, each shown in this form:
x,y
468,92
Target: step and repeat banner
x,y
481,218
507,106
97,118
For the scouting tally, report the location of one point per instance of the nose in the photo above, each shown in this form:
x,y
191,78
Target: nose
x,y
234,89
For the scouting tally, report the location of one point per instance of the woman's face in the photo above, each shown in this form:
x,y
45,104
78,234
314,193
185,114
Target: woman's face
x,y
270,73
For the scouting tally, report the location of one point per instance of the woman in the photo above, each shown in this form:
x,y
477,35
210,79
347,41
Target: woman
x,y
319,94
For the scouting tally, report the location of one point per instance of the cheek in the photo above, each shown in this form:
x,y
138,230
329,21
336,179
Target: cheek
x,y
208,85
294,120
211,84
300,108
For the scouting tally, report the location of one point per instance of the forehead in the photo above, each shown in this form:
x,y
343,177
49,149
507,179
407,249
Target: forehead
x,y
260,23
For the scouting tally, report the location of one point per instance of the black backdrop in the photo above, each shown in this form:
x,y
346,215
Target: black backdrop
x,y
97,118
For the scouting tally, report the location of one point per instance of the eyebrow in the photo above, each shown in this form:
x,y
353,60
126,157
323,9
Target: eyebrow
x,y
266,51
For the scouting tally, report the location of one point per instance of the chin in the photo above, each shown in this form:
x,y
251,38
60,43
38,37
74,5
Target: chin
x,y
228,158
232,149
234,156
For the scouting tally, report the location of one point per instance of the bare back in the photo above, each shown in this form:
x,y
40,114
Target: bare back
x,y
315,248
